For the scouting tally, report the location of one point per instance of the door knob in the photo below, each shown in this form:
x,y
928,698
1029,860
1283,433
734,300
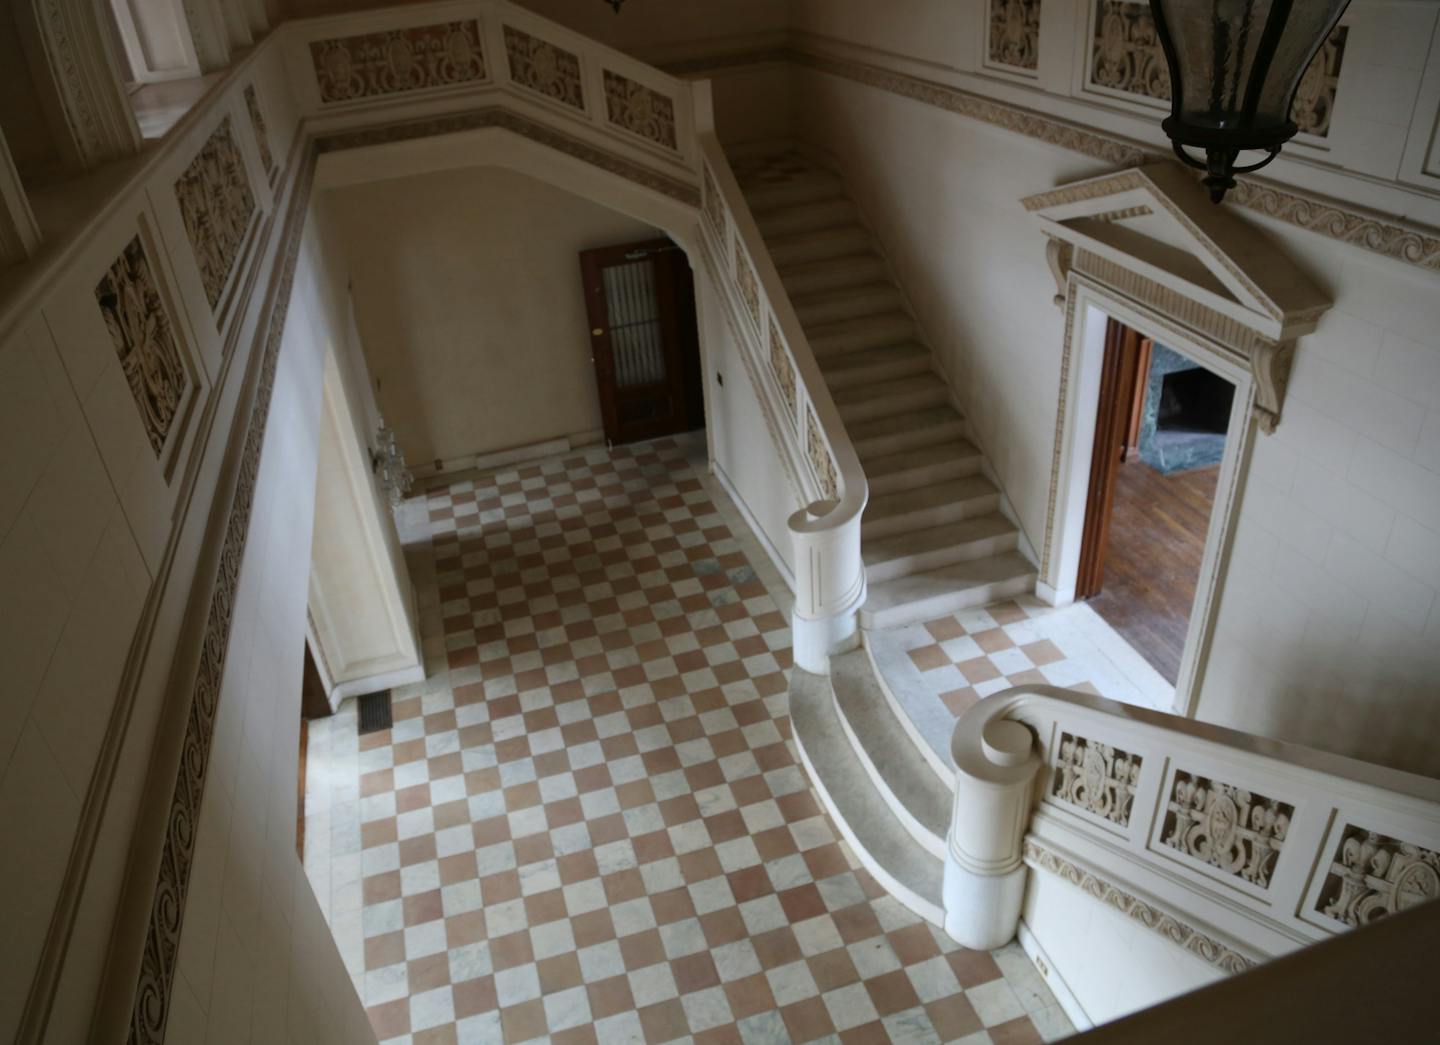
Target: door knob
x,y
596,332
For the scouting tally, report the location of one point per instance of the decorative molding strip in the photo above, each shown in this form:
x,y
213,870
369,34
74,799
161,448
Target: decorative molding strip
x,y
640,110
1096,777
784,372
1167,925
1015,33
1373,875
397,60
478,119
1227,827
162,942
544,68
144,339
257,124
749,286
216,205
821,463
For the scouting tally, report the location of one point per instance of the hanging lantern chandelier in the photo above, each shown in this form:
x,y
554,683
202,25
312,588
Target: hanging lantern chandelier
x,y
1234,69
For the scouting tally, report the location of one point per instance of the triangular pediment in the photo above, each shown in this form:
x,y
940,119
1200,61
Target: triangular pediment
x,y
1157,222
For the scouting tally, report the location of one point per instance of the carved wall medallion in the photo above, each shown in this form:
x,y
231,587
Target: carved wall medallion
x,y
1227,827
747,283
216,205
1096,777
1167,925
639,109
1015,33
1126,56
544,68
783,369
257,124
821,462
1373,875
397,60
140,330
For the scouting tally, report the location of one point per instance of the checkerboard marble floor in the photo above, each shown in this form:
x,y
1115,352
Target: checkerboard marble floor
x,y
589,823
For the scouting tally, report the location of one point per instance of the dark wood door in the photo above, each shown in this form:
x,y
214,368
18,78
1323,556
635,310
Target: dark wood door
x,y
640,298
1119,380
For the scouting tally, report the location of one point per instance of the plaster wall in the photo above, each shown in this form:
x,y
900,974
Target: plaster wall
x,y
469,303
1329,615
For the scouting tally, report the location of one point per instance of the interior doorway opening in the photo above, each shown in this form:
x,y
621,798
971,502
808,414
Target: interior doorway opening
x,y
1161,428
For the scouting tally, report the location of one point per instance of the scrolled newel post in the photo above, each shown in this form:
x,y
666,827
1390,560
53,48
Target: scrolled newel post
x,y
996,762
829,586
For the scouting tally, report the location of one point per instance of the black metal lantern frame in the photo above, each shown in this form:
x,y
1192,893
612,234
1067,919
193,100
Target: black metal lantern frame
x,y
1234,68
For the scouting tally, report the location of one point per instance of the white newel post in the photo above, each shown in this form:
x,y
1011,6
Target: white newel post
x,y
996,760
829,586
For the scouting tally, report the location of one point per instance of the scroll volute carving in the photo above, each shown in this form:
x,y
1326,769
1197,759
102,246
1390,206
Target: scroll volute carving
x,y
1271,362
1059,255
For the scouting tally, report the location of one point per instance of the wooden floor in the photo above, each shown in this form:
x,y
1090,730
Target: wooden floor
x,y
1157,538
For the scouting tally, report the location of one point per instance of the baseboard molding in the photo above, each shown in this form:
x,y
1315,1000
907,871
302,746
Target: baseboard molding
x,y
449,470
1064,996
375,683
776,559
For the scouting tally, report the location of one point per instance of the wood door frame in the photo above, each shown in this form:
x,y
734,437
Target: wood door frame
x,y
1090,305
672,318
1115,420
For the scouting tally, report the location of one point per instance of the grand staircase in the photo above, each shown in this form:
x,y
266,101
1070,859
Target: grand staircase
x,y
934,538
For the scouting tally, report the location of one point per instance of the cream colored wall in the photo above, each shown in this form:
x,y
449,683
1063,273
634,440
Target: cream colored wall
x,y
1329,617
469,303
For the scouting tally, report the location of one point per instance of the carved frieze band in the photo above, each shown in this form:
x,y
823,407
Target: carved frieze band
x,y
1126,56
1373,875
784,371
1096,777
544,68
257,124
1015,33
641,110
144,339
1229,828
397,60
1411,245
216,205
1167,925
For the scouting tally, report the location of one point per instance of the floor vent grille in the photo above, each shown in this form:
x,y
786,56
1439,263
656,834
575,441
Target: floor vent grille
x,y
375,712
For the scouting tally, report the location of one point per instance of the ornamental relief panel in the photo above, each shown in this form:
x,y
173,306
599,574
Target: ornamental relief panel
x,y
784,371
397,60
216,205
134,313
544,68
1236,831
1015,33
257,124
639,110
1097,778
714,205
1126,56
1373,875
819,455
749,286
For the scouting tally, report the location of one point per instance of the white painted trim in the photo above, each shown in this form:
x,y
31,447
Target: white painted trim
x,y
1048,971
375,683
776,560
1092,303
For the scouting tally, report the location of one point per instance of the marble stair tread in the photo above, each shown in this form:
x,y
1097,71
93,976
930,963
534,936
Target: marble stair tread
x,y
929,594
890,397
872,364
808,186
956,495
843,270
855,335
951,459
799,247
888,435
901,864
913,551
806,217
891,757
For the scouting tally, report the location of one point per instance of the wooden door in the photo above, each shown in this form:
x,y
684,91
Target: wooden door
x,y
643,341
1119,377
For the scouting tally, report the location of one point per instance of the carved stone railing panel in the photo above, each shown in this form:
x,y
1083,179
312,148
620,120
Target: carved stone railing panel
x,y
1233,830
1015,33
641,110
1373,875
1126,56
745,281
216,205
544,68
1096,777
394,61
784,371
257,125
822,464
